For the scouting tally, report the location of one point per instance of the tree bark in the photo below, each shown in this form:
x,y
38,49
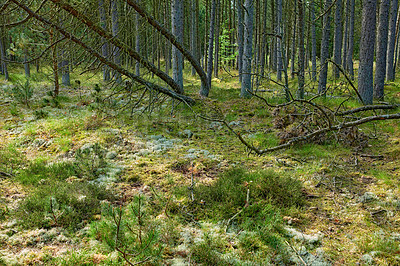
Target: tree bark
x,y
104,47
390,70
247,49
279,63
323,75
350,48
314,43
337,51
300,73
367,43
115,31
240,15
380,69
210,48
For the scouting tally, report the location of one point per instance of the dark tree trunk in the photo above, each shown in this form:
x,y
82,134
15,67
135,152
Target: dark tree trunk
x,y
115,31
177,30
367,43
323,75
314,43
240,15
217,30
350,50
104,47
337,51
3,58
247,49
380,69
346,35
279,63
300,73
65,77
264,39
26,65
292,68
137,42
390,70
210,47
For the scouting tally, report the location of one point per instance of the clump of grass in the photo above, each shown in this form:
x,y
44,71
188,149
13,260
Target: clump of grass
x,y
57,203
90,162
206,252
40,170
229,193
10,159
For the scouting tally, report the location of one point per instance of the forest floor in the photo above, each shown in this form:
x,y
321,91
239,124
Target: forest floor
x,y
187,190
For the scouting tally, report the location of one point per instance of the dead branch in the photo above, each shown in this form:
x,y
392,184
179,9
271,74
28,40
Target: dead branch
x,y
368,108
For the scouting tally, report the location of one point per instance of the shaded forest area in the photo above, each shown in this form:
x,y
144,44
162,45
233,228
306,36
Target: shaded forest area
x,y
199,132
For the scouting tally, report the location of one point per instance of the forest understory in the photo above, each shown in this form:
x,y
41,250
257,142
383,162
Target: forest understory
x,y
88,179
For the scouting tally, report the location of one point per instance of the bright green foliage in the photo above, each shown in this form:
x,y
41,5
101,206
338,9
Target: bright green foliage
x,y
130,231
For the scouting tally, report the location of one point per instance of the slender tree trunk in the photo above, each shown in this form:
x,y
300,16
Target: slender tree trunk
x,y
337,51
350,51
300,74
56,89
279,63
292,68
217,31
346,35
210,47
314,43
115,32
194,33
65,77
323,75
247,49
104,47
240,15
177,30
26,65
380,69
264,39
137,42
3,57
390,70
367,43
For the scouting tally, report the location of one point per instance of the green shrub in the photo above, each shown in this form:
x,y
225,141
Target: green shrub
x,y
91,162
57,203
131,231
21,92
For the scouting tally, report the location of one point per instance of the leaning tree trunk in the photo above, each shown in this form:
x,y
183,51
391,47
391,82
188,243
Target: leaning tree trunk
x,y
115,31
380,69
177,30
367,43
337,51
350,47
104,47
390,70
247,49
300,73
323,75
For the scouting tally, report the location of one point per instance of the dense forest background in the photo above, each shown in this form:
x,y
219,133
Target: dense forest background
x,y
199,132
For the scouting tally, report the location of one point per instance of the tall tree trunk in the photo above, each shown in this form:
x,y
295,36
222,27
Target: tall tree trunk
x,y
292,68
104,47
367,43
264,39
350,50
210,47
3,57
115,32
194,32
390,70
380,69
323,75
346,34
65,77
314,43
247,49
177,30
137,42
279,63
240,15
337,51
56,89
217,31
300,73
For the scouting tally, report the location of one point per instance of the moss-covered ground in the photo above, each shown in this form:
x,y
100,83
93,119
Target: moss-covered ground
x,y
187,190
